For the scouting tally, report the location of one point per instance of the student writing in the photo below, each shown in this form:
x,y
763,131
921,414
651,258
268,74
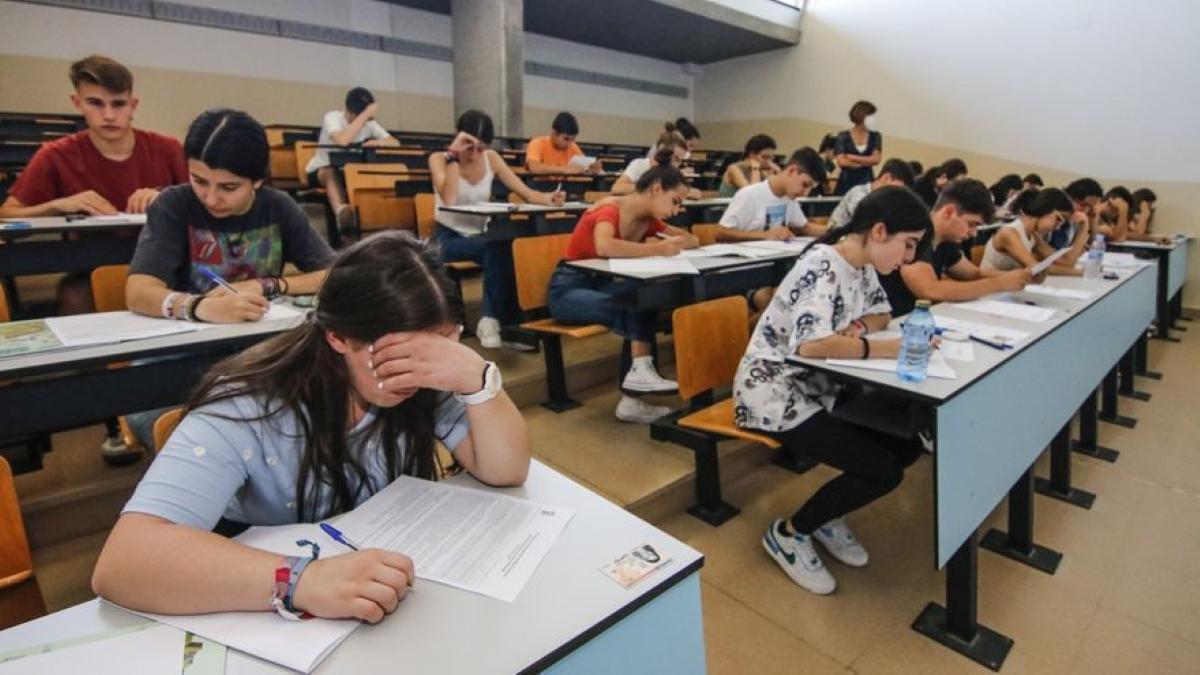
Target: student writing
x,y
305,426
553,153
894,172
1021,243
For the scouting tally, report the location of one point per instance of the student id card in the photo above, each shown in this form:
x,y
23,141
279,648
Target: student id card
x,y
630,567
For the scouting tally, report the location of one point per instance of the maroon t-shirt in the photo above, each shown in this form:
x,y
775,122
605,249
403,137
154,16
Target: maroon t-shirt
x,y
72,165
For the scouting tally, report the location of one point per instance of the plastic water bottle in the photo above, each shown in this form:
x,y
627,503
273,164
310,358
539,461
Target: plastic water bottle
x,y
1093,266
916,343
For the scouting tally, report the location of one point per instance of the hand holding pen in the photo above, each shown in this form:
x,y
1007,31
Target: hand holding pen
x,y
229,304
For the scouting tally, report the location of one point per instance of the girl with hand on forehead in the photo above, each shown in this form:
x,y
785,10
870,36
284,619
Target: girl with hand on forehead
x,y
308,425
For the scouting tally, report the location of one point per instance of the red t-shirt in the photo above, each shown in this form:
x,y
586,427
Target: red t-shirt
x,y
72,165
583,240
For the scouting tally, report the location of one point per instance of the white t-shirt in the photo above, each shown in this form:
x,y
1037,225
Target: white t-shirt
x,y
755,208
334,122
636,168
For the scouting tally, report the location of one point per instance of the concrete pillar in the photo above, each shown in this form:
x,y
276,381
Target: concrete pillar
x,y
489,61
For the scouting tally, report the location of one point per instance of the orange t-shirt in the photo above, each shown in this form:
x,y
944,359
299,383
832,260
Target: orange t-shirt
x,y
541,149
583,239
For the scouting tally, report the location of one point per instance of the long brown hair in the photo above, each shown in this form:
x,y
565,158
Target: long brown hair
x,y
386,283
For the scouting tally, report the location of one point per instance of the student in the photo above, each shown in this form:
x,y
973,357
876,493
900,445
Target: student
x,y
931,182
1032,181
305,426
858,148
1115,219
109,167
828,152
1085,195
918,169
670,149
691,135
225,223
825,306
624,227
1004,191
769,210
1020,244
463,175
757,165
895,172
942,273
1142,210
355,125
553,153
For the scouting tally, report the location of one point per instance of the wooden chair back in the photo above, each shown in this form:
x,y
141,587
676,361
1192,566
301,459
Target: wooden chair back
x,y
5,312
303,152
534,262
164,425
710,339
371,190
425,205
20,597
706,232
108,288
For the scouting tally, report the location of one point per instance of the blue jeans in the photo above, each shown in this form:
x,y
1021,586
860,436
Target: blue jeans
x,y
499,281
578,298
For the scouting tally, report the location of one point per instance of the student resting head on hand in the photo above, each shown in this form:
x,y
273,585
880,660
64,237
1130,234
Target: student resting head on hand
x,y
307,425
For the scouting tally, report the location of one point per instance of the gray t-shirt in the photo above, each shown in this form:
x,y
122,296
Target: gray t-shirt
x,y
246,469
181,237
845,208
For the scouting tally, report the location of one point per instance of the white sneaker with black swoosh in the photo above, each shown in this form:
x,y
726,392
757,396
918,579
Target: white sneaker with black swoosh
x,y
798,558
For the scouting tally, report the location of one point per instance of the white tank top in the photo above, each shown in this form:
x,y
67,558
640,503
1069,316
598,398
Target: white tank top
x,y
468,193
995,260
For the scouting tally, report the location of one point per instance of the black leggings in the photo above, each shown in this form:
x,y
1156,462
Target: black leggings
x,y
872,465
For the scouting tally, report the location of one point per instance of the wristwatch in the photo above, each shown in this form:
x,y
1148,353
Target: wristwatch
x,y
451,156
491,386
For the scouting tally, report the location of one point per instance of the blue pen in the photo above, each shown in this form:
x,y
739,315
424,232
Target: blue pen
x,y
16,225
336,535
216,278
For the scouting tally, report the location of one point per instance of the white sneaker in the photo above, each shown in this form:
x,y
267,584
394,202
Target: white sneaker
x,y
839,540
635,410
642,377
926,441
488,332
798,559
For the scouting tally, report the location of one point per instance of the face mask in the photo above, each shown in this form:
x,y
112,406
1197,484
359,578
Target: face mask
x,y
870,121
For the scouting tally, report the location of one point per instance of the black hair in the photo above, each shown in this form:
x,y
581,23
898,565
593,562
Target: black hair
x,y
478,124
1082,188
685,128
665,174
1038,203
358,98
860,110
917,167
229,139
386,283
829,142
565,123
952,168
899,170
1001,188
809,162
1033,179
970,196
758,143
898,208
1141,195
1119,192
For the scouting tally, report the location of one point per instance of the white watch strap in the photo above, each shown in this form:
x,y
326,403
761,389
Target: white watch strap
x,y
491,386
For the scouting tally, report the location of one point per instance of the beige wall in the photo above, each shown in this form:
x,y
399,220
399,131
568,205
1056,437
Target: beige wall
x,y
1178,201
170,99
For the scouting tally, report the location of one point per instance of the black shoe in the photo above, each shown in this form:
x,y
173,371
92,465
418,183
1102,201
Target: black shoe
x,y
116,453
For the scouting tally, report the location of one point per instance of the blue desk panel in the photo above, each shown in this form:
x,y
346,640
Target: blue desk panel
x,y
992,431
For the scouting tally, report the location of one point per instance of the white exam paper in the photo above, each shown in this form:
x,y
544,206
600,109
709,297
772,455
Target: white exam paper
x,y
985,331
1009,309
476,540
957,351
108,327
117,219
157,649
656,264
937,365
1039,289
1050,260
583,161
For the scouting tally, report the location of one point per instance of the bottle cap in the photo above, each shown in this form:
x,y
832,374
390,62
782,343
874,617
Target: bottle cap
x,y
924,304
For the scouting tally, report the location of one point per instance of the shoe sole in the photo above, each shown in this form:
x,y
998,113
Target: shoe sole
x,y
648,389
783,566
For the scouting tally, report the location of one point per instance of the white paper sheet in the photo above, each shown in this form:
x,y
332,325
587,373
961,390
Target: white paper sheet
x,y
957,351
152,650
652,265
796,244
937,365
299,645
277,312
985,331
479,541
583,161
1074,294
718,250
108,327
1009,310
1050,260
116,219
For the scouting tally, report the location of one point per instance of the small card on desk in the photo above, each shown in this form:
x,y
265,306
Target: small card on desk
x,y
629,568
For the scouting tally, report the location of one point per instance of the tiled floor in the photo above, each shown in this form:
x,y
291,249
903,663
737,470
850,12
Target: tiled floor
x,y
1126,597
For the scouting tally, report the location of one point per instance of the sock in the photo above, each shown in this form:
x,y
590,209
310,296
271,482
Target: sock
x,y
785,528
643,362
